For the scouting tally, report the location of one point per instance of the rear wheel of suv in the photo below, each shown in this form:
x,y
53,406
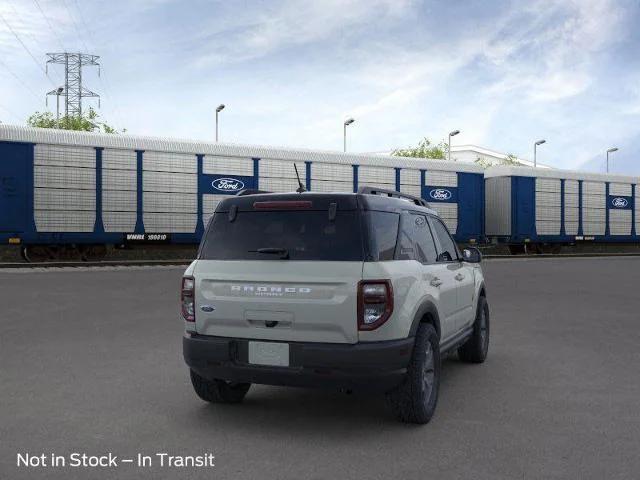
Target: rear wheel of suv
x,y
475,349
218,391
415,400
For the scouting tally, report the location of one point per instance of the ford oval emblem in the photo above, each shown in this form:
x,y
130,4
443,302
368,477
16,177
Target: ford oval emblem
x,y
619,202
207,308
228,184
440,194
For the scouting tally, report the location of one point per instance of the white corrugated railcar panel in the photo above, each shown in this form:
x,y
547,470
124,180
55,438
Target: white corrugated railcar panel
x,y
448,212
64,199
227,165
169,162
548,213
119,221
414,190
281,169
119,179
571,200
409,176
548,227
64,177
594,215
210,202
119,200
376,175
439,178
571,228
64,220
119,159
593,228
279,184
594,188
547,185
571,186
64,156
571,214
594,201
620,189
331,186
169,202
169,182
551,199
332,171
170,222
620,222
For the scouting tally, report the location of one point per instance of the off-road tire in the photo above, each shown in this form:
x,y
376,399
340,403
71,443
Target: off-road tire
x,y
476,348
415,400
218,391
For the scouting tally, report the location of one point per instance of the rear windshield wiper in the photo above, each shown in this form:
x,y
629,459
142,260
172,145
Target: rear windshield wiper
x,y
284,253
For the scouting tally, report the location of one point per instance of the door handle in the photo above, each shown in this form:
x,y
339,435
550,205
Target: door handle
x,y
459,277
435,282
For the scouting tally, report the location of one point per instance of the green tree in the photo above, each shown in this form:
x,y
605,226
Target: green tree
x,y
425,149
510,159
88,122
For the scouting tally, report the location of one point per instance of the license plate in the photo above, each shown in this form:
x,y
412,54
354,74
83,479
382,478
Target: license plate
x,y
269,353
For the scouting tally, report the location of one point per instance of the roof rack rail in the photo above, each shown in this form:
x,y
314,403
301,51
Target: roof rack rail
x,y
250,191
392,193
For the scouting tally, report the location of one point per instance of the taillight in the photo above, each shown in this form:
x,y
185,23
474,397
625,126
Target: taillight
x,y
375,303
187,299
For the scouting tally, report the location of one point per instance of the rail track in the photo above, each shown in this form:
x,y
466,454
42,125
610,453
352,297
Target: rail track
x,y
185,261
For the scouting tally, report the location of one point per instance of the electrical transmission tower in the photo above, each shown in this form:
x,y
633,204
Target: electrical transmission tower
x,y
73,91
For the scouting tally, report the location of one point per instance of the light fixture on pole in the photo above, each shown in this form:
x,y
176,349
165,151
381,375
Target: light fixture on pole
x,y
218,110
535,152
59,90
611,150
348,121
451,134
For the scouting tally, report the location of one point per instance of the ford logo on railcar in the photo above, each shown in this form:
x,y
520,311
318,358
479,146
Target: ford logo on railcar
x,y
228,184
619,202
440,194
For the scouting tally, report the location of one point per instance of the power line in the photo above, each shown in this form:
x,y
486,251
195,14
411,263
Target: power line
x,y
75,25
53,30
10,113
22,82
27,49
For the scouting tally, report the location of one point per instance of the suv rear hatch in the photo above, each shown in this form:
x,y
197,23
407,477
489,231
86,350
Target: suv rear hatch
x,y
281,267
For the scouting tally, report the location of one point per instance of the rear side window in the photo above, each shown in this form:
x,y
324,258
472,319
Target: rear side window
x,y
383,234
415,239
276,235
448,251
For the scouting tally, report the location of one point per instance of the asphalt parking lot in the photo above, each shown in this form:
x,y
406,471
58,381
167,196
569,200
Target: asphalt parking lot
x,y
90,361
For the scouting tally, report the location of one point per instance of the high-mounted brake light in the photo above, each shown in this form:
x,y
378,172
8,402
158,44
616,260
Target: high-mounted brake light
x,y
283,205
187,299
375,303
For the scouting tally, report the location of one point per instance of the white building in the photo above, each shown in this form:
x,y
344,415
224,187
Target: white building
x,y
470,153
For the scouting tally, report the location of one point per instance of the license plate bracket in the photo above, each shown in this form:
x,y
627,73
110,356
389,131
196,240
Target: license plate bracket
x,y
273,354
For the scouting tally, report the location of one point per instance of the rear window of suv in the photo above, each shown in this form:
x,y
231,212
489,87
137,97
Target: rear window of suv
x,y
275,235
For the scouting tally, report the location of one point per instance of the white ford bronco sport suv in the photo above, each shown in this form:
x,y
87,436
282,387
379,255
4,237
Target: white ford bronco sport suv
x,y
343,290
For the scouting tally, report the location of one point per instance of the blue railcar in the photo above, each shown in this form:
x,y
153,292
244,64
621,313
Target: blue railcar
x,y
544,209
62,187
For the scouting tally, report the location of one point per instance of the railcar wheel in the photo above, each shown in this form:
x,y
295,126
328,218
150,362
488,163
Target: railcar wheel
x,y
37,253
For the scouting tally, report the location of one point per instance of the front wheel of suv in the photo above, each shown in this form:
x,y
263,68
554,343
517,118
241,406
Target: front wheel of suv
x,y
218,391
415,400
476,348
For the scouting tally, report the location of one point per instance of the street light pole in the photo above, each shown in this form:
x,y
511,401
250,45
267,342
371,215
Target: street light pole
x,y
348,121
535,146
451,134
218,110
611,150
59,90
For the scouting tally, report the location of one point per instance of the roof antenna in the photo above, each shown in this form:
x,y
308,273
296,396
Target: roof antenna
x,y
300,189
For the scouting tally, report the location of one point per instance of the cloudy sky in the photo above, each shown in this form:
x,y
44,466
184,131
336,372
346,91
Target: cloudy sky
x,y
505,73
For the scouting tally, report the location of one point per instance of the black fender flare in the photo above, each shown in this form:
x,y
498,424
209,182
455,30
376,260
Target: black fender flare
x,y
426,308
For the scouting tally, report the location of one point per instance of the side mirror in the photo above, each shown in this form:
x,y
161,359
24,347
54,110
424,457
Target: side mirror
x,y
471,255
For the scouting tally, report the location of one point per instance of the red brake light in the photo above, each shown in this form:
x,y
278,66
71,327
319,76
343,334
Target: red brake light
x,y
375,303
283,205
187,299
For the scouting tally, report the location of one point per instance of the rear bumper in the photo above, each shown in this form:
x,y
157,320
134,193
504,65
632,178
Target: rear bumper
x,y
371,366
